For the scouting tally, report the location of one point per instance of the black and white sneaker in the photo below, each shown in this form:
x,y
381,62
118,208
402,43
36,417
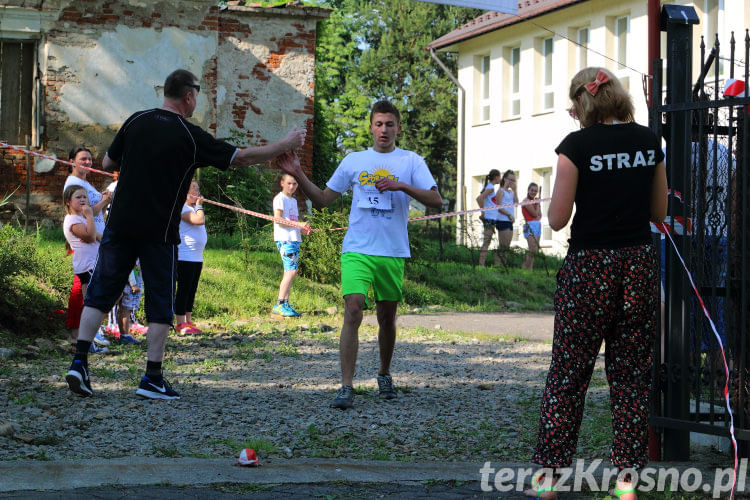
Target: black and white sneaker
x,y
385,387
156,390
78,379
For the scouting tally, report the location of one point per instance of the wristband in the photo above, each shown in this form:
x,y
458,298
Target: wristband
x,y
198,207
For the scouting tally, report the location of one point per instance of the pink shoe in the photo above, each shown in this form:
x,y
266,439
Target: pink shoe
x,y
195,327
138,329
187,328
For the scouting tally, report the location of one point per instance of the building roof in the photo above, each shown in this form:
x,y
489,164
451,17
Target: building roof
x,y
491,21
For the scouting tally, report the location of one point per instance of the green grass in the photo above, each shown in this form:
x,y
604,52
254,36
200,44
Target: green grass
x,y
240,282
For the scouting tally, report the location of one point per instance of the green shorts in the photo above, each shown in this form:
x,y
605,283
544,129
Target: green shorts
x,y
385,274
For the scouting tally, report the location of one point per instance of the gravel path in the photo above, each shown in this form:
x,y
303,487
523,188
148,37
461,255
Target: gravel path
x,y
268,386
529,325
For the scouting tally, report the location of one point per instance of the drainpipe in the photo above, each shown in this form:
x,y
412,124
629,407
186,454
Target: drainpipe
x,y
461,172
654,43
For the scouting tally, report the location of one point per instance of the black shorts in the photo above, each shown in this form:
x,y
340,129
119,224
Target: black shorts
x,y
85,277
500,225
117,256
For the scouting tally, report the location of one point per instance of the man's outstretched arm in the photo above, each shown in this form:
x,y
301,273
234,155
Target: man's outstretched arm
x,y
258,154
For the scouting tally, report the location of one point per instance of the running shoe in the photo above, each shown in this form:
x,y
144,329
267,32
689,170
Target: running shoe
x,y
277,310
156,390
129,339
99,338
95,349
186,328
344,398
385,387
194,327
78,379
289,311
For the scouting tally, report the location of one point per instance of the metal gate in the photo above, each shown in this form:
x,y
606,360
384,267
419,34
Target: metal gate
x,y
706,133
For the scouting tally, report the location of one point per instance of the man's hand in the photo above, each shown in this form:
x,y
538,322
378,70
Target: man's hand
x,y
295,138
289,163
386,184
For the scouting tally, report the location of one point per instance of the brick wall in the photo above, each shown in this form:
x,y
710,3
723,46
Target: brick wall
x,y
102,60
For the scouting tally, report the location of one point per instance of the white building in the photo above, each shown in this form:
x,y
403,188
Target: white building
x,y
515,71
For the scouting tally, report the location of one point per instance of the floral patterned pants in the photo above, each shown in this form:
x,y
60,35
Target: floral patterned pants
x,y
610,295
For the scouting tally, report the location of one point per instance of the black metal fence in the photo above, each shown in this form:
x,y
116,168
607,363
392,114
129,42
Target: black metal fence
x,y
706,133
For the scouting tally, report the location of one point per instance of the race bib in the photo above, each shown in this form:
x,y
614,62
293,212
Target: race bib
x,y
370,197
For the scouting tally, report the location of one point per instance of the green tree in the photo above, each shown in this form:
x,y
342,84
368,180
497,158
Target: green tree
x,y
375,49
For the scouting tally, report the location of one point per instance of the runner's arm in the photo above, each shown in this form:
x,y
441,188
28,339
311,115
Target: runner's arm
x,y
289,163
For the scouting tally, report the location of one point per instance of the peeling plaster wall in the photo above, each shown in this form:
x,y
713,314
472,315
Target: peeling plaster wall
x,y
100,61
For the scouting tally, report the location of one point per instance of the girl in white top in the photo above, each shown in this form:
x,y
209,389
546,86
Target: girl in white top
x,y
81,156
81,238
193,238
506,196
487,199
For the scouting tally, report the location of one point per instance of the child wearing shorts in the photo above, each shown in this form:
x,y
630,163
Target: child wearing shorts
x,y
288,239
82,240
129,303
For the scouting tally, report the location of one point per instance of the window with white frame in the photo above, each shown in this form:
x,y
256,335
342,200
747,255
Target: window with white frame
x,y
543,178
515,81
17,63
713,25
582,39
484,91
548,100
622,27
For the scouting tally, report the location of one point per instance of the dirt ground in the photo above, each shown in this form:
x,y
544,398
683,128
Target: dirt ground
x,y
528,325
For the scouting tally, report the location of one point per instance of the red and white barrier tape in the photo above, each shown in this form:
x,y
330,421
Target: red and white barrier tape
x,y
47,157
278,220
723,354
411,219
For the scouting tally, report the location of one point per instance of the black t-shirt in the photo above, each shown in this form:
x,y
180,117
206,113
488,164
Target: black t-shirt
x,y
616,165
158,152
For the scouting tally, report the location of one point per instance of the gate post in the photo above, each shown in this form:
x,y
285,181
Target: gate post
x,y
677,21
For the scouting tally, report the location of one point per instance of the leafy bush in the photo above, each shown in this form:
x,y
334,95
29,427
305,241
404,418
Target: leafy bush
x,y
34,282
245,187
320,250
17,254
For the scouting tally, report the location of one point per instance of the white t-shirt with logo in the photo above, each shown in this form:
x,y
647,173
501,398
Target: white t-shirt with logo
x,y
288,206
377,221
84,254
193,238
94,197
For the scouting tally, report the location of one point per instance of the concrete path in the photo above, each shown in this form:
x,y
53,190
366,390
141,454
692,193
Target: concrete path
x,y
530,326
135,477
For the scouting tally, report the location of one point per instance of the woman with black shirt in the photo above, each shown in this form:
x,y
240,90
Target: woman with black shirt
x,y
608,286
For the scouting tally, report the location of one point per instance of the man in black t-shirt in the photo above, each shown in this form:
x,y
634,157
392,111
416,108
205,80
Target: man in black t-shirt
x,y
157,152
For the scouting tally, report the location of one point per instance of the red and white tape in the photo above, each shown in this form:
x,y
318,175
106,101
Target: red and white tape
x,y
48,157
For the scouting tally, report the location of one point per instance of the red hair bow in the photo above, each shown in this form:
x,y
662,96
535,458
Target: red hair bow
x,y
593,87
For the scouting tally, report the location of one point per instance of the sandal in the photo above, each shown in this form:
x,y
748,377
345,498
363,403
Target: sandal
x,y
540,492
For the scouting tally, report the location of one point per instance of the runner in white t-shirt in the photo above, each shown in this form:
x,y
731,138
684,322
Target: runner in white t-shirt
x,y
287,238
383,179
